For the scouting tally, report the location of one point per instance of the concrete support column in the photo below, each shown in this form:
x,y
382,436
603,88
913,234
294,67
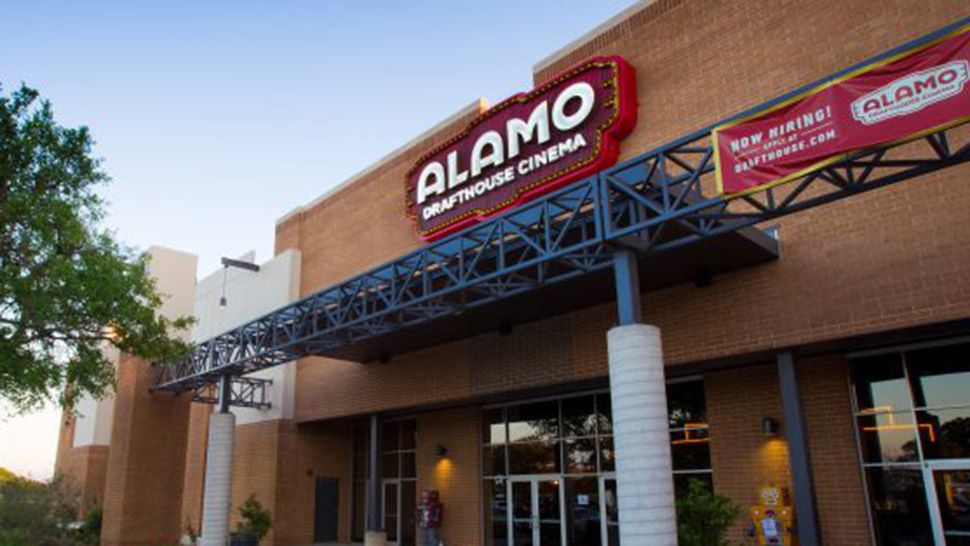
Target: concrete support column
x,y
644,473
217,500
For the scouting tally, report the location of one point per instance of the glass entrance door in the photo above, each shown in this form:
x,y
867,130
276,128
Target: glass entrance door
x,y
949,483
397,507
535,511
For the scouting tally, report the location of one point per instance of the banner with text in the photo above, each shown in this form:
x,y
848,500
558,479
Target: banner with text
x,y
890,101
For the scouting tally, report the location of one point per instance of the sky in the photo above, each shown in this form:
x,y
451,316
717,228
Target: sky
x,y
216,118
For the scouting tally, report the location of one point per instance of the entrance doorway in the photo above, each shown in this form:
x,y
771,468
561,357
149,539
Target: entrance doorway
x,y
553,510
535,511
397,505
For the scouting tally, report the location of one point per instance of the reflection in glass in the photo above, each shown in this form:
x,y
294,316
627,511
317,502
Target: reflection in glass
x,y
578,416
690,447
493,424
580,456
522,500
389,465
940,376
534,458
550,533
407,431
945,434
880,384
407,465
899,510
582,512
607,455
537,421
389,436
409,499
522,533
612,512
888,438
493,460
496,513
953,491
548,500
685,403
604,413
390,510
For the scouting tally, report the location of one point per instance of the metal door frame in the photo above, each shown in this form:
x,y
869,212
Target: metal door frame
x,y
533,481
932,498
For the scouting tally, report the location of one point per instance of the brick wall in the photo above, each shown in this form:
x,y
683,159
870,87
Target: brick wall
x,y
146,462
195,454
279,461
457,476
835,461
83,469
743,460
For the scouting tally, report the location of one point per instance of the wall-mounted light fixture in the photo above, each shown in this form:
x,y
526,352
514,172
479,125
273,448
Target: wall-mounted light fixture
x,y
226,264
440,450
769,427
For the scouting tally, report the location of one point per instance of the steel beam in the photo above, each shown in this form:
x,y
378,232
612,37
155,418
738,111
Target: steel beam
x,y
373,497
627,278
798,453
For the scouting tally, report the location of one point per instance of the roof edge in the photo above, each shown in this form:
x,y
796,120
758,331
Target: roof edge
x,y
590,35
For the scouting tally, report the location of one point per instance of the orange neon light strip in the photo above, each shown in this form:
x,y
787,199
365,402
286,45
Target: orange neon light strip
x,y
687,439
929,427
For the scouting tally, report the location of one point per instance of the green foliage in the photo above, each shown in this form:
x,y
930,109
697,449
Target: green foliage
x,y
255,519
90,532
67,287
703,517
39,514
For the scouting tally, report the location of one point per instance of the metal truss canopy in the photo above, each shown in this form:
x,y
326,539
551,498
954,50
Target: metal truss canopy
x,y
244,392
661,203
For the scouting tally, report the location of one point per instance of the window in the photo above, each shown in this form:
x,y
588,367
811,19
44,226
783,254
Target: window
x,y
398,479
567,444
912,412
399,485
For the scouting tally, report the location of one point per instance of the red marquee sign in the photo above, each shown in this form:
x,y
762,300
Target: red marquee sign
x,y
524,147
891,101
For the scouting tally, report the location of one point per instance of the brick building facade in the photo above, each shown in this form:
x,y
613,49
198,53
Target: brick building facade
x,y
879,271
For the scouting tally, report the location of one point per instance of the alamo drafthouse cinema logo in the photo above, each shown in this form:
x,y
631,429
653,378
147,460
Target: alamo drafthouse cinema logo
x,y
912,93
524,147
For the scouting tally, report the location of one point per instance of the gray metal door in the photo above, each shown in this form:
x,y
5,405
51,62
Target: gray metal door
x,y
327,499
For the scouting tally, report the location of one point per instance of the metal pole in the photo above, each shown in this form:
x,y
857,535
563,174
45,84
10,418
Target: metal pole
x,y
225,393
799,456
373,498
626,276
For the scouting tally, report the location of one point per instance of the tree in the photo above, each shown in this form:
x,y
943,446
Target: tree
x,y
67,287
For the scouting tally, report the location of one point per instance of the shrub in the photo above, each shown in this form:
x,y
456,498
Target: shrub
x,y
37,514
703,517
255,519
